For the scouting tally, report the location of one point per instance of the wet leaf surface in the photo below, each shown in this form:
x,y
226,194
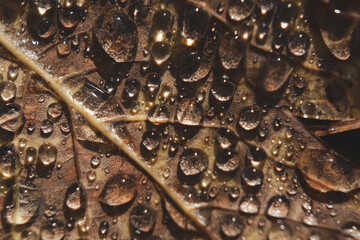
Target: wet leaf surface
x,y
177,119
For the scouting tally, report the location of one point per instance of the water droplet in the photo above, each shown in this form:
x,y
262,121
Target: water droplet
x,y
47,127
193,161
234,192
25,209
65,128
195,23
53,230
189,113
160,51
231,49
95,161
159,114
75,197
298,43
250,117
117,34
118,190
223,91
152,85
63,48
352,228
47,155
103,229
8,92
238,10
278,207
227,160
142,218
252,177
131,90
91,176
232,225
54,110
8,159
151,140
250,205
30,156
308,108
13,72
69,15
163,19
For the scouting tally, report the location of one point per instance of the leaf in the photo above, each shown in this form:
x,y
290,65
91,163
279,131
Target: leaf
x,y
156,120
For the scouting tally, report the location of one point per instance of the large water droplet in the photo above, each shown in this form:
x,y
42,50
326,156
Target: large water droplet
x,y
151,140
47,127
8,159
8,92
223,91
250,205
152,86
118,190
298,43
131,90
142,218
25,208
47,155
250,117
252,177
238,10
196,22
278,207
53,230
231,50
189,113
232,225
227,160
103,229
160,51
193,161
117,34
163,20
54,110
75,197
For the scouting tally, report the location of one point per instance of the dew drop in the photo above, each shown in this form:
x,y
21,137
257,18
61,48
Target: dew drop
x,y
142,218
193,162
278,207
118,190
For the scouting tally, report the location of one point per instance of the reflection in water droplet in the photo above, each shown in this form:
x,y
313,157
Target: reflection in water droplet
x,y
8,91
53,230
227,160
142,218
47,155
278,207
232,225
117,34
238,10
189,113
47,127
193,162
250,117
250,205
298,43
13,72
30,156
160,51
118,190
252,177
54,110
8,158
151,140
75,197
103,229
